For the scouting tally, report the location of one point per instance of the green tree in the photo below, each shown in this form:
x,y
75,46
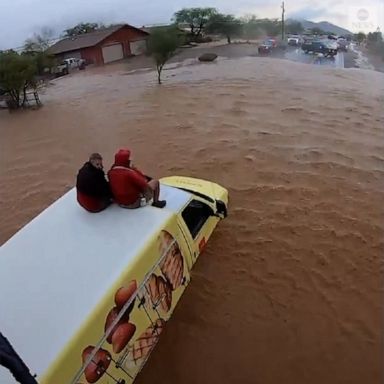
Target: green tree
x,y
43,61
375,43
374,37
82,28
17,73
251,28
226,25
360,37
294,28
196,18
271,27
162,44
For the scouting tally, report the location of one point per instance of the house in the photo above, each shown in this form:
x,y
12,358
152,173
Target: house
x,y
103,46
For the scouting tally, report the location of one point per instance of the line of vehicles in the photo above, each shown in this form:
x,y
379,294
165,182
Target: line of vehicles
x,y
328,46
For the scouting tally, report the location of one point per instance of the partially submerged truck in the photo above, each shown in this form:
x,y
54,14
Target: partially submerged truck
x,y
85,297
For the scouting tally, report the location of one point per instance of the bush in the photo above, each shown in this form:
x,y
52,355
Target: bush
x,y
17,73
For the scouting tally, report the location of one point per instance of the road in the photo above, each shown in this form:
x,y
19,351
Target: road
x,y
296,54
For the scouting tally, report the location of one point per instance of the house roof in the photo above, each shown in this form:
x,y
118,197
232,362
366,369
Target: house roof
x,y
87,40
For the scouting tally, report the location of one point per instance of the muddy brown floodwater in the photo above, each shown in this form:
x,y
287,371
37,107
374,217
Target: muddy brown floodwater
x,y
290,287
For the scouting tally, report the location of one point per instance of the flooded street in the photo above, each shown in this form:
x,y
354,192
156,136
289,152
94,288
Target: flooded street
x,y
290,288
296,54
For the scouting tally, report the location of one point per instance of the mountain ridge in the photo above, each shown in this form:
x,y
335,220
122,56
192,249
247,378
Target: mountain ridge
x,y
324,25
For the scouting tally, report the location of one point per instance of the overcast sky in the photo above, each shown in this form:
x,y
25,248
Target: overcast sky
x,y
19,19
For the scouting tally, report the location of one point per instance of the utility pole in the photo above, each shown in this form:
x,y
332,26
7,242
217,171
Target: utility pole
x,y
283,21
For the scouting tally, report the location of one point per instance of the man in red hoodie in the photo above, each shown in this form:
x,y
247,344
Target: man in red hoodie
x,y
129,185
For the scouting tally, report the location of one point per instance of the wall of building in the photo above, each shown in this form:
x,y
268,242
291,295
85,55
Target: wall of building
x,y
92,55
124,36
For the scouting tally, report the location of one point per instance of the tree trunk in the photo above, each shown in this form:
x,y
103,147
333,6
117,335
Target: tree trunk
x,y
24,95
15,99
159,69
229,39
200,29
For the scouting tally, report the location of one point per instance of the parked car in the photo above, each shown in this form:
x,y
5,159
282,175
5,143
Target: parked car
x,y
266,47
273,41
61,69
294,40
342,45
327,49
74,63
67,66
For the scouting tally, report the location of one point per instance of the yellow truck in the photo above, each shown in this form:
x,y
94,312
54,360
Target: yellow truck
x,y
85,297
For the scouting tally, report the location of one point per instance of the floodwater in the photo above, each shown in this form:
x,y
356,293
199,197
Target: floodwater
x,y
297,54
290,287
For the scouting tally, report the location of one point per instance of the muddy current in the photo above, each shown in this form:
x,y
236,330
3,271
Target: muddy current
x,y
290,286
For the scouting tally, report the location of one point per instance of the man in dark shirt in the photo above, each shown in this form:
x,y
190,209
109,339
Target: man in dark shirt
x,y
12,361
93,191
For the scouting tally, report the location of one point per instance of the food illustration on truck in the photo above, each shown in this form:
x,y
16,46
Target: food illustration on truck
x,y
127,349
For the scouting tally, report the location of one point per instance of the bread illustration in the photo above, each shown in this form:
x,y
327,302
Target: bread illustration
x,y
172,266
160,293
98,365
142,347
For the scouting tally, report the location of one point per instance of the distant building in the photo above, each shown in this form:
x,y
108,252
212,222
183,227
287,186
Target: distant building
x,y
103,46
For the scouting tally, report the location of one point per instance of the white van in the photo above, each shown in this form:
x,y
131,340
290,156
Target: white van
x,y
84,297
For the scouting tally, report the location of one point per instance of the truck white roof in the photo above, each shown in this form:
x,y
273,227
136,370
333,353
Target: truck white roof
x,y
57,268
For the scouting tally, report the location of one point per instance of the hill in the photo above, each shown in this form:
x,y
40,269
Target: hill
x,y
324,25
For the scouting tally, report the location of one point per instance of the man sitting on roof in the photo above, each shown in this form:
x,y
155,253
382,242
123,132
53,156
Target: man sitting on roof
x,y
13,362
129,185
93,191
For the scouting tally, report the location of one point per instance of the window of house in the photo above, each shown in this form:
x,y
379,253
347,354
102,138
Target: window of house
x,y
195,216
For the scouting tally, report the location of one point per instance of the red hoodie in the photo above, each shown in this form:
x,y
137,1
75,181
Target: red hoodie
x,y
127,184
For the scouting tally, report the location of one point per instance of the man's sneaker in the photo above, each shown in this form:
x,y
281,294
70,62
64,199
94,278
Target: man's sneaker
x,y
159,204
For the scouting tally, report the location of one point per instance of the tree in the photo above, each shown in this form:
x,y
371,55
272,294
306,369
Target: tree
x,y
226,25
162,44
360,37
250,27
294,28
17,74
374,37
40,41
196,18
44,62
36,48
82,28
375,43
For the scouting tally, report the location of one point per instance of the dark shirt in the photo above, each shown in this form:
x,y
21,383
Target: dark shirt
x,y
92,182
11,360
